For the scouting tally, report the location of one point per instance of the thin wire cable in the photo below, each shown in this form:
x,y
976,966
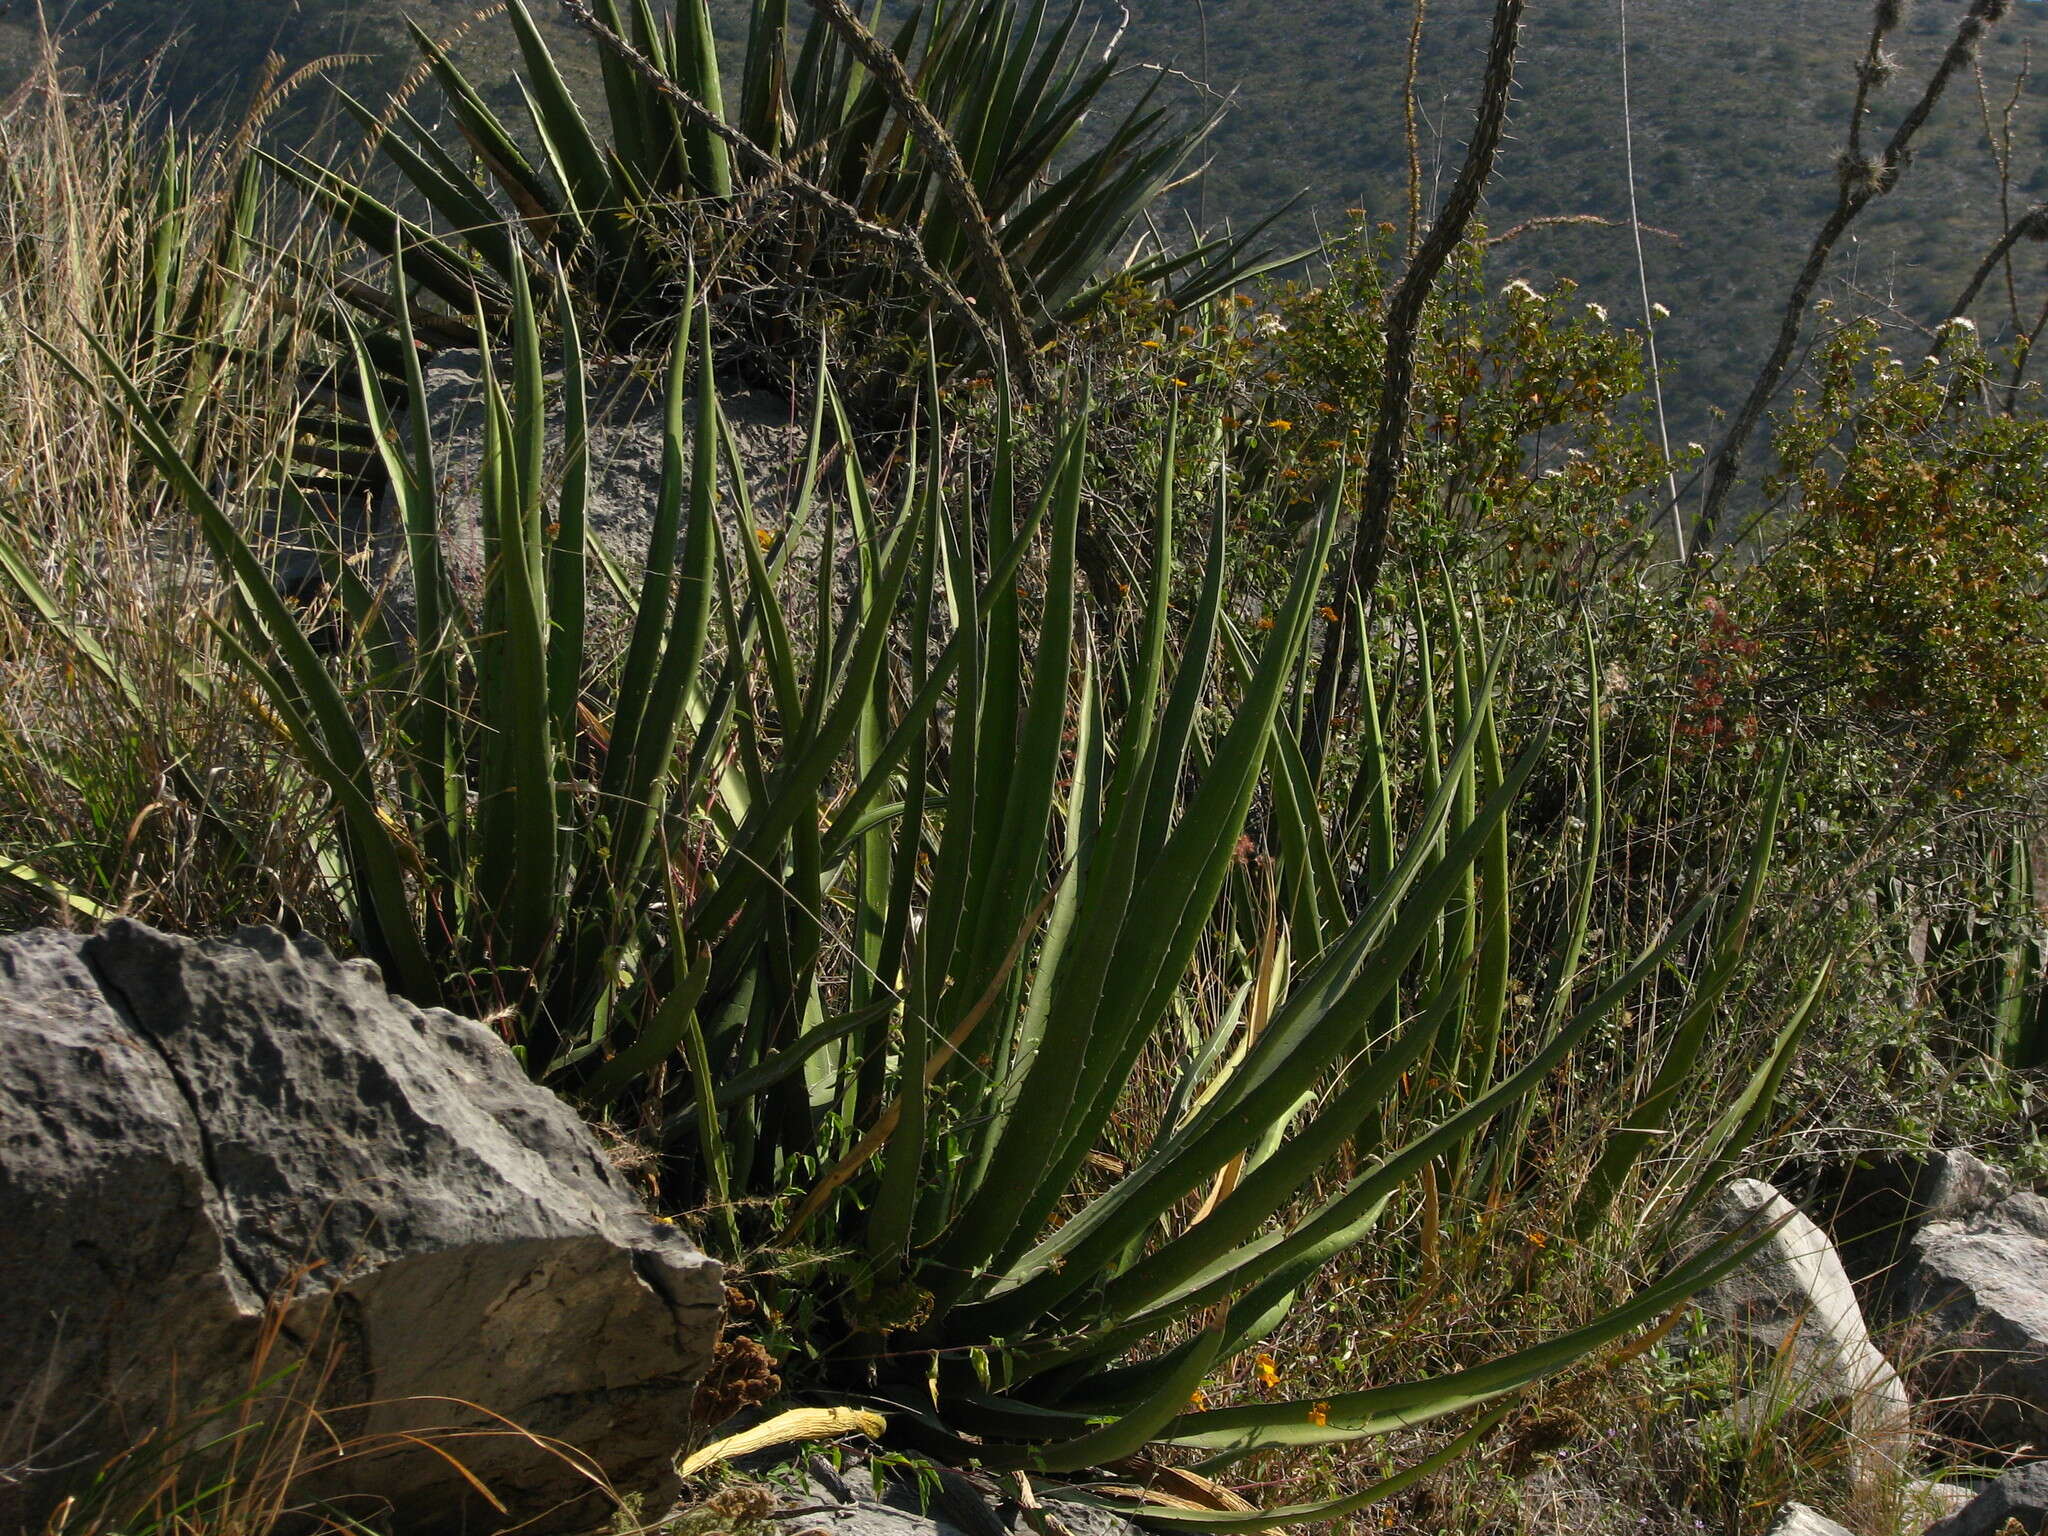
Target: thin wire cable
x,y
1635,229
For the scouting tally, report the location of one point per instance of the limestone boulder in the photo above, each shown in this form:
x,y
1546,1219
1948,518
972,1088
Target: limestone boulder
x,y
2020,1495
240,1169
1978,1284
627,434
1792,1299
1797,1519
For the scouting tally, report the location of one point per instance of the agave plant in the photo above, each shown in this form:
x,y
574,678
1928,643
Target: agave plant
x,y
1008,84
875,924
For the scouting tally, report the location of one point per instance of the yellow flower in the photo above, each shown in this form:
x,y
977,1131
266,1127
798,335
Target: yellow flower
x,y
1198,1401
1269,1373
1539,1239
1319,1414
764,538
1151,342
1280,424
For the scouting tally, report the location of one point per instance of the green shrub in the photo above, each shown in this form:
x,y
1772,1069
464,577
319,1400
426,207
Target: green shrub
x,y
622,208
891,973
1901,589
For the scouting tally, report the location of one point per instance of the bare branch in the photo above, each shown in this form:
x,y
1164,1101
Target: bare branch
x,y
1860,183
1553,220
938,145
1397,374
782,174
2031,225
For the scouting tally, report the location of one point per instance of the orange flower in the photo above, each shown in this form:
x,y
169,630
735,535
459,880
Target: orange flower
x,y
1319,1414
1281,424
764,538
1269,1373
1328,613
1198,1401
1265,621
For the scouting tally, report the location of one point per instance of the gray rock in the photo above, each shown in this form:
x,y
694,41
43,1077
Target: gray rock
x,y
204,1142
627,429
948,1503
1797,1519
2021,1494
1794,1292
1883,1201
1980,1283
1957,1184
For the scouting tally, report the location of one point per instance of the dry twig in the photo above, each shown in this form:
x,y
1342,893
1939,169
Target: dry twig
x,y
782,173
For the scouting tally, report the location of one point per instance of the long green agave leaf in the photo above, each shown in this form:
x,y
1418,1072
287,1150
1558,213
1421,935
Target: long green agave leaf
x,y
436,176
1311,1513
1263,1257
1375,1411
1131,1432
656,598
490,138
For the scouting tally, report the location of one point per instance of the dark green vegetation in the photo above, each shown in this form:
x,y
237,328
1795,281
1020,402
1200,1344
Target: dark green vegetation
x,y
1042,947
934,867
989,248
1740,112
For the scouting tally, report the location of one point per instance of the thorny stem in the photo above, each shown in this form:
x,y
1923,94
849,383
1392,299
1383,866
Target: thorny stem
x,y
2022,354
1999,140
1408,123
1397,373
782,173
2031,225
938,144
1859,186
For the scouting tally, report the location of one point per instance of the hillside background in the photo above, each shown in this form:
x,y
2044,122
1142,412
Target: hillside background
x,y
1739,107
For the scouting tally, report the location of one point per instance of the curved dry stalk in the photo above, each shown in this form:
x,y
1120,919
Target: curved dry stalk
x,y
1861,182
1397,375
938,144
783,173
2031,225
1556,220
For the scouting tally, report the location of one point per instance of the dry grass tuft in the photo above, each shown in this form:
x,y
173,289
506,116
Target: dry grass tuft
x,y
147,786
